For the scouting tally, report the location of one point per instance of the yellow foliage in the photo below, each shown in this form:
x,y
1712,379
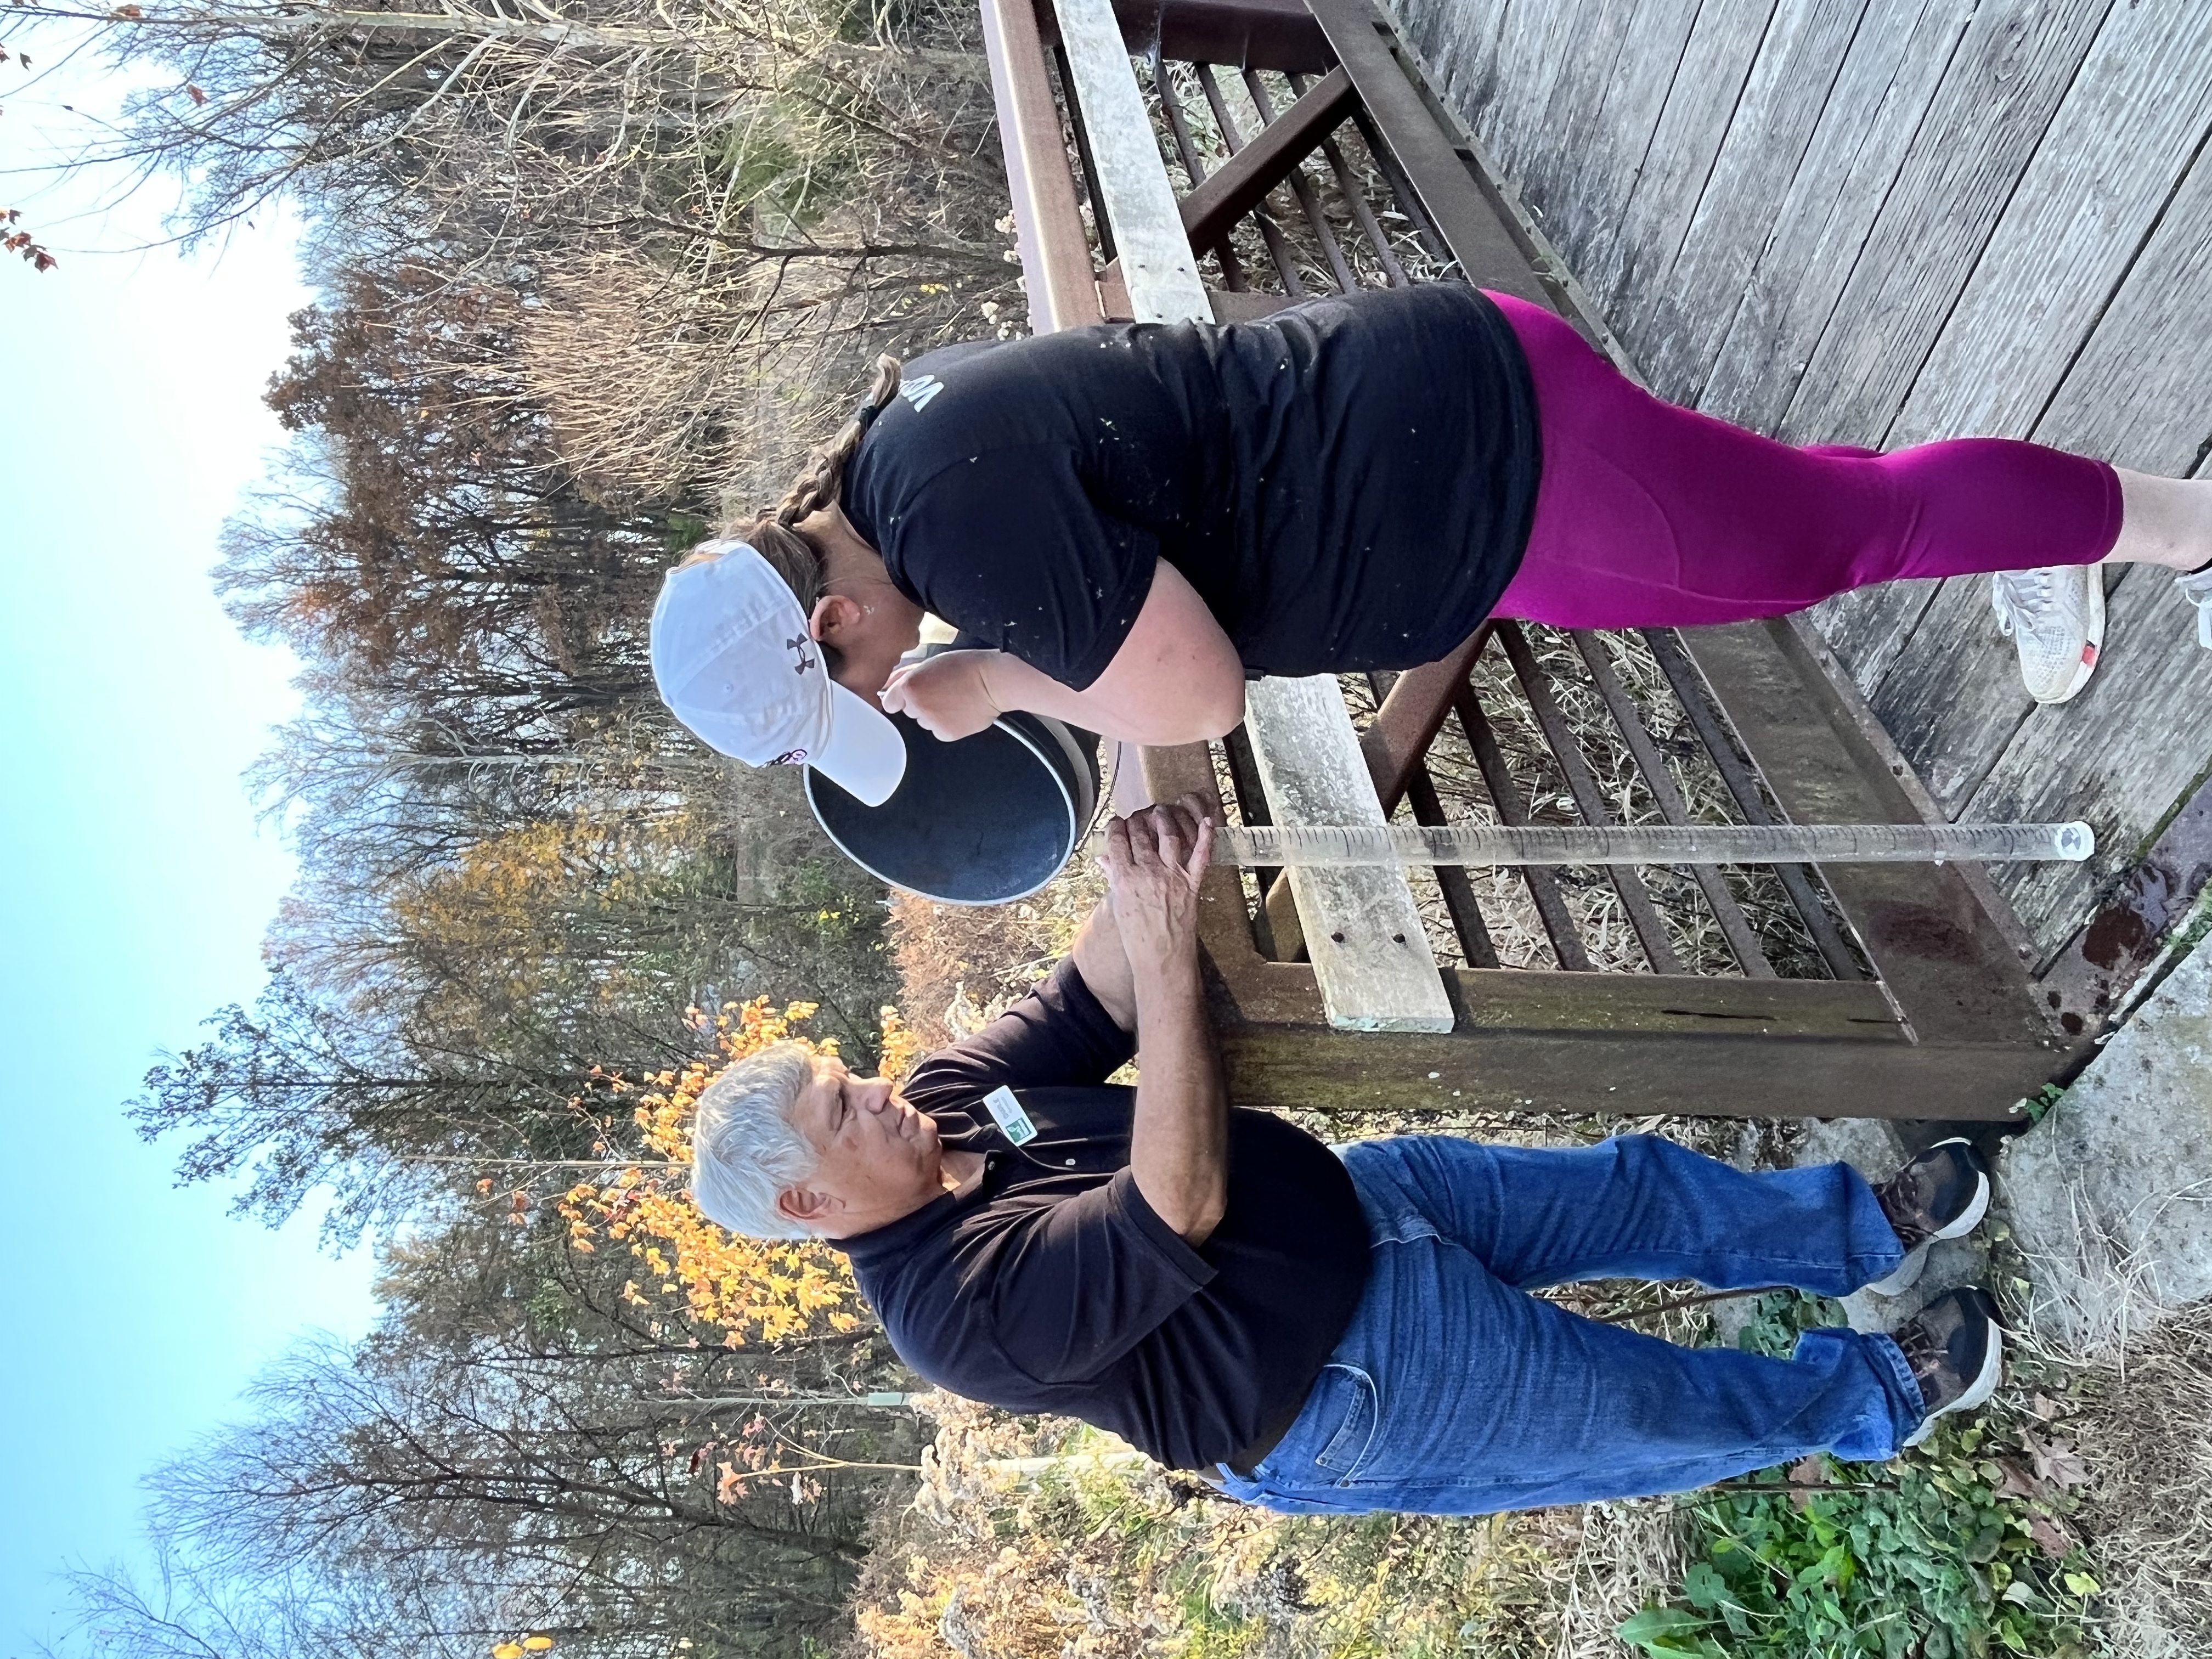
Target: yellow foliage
x,y
752,1288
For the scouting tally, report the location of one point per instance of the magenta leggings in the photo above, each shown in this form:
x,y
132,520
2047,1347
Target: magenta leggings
x,y
1649,515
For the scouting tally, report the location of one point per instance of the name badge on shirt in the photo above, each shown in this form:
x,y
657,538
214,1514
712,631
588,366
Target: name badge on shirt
x,y
1006,1112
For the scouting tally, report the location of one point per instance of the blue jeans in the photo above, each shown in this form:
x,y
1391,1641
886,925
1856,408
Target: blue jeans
x,y
1455,1392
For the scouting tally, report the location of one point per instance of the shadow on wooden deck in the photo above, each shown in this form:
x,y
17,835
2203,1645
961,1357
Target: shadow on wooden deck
x,y
1883,222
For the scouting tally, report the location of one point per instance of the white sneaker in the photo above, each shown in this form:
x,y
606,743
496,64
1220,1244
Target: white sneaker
x,y
2197,588
2055,617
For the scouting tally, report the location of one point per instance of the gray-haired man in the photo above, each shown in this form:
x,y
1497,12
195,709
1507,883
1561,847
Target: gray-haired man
x,y
1314,1332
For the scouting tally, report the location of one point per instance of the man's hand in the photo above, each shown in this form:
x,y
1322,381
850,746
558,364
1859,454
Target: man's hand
x,y
1179,1143
1154,862
948,695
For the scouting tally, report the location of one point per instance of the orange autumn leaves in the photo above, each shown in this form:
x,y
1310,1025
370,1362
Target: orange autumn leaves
x,y
753,1290
516,1649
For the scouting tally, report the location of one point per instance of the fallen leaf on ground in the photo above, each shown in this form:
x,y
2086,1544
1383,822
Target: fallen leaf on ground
x,y
2051,1538
2017,1482
2056,1460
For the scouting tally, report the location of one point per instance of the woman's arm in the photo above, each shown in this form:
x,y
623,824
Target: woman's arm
x,y
1175,679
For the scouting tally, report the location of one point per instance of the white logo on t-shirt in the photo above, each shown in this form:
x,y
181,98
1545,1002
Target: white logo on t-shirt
x,y
919,390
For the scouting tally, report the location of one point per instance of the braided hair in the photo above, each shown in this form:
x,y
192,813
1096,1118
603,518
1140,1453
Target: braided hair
x,y
776,534
816,487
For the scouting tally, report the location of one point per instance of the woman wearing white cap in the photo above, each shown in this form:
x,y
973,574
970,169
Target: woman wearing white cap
x,y
1125,522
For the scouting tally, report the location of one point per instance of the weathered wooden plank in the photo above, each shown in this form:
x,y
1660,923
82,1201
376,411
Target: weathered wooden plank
x,y
1700,101
1629,1043
1633,1074
1432,164
1562,62
2121,142
2137,394
1158,266
1953,697
1867,629
1047,226
1371,954
2121,755
1680,314
2134,393
1951,966
1491,62
1458,41
1547,141
1892,85
1865,131
1996,99
1683,1004
1598,160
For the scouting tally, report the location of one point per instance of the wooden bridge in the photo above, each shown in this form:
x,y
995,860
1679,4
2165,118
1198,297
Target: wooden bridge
x,y
1885,222
1754,201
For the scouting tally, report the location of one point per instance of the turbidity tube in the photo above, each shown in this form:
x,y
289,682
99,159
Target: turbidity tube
x,y
1310,846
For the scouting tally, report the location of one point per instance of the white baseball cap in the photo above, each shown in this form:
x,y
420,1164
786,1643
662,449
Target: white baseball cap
x,y
733,658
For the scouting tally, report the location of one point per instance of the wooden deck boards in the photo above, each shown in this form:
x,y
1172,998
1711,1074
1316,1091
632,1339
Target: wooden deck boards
x,y
1881,221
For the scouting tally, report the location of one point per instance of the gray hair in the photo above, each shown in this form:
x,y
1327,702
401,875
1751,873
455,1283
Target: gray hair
x,y
744,1150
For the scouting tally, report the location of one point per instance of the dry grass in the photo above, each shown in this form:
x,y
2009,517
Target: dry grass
x,y
2133,1377
1590,895
1040,1539
962,966
2145,1435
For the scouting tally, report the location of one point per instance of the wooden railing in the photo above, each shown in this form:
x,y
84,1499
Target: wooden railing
x,y
1900,992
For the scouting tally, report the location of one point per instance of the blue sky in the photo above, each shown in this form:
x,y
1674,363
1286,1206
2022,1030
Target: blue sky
x,y
136,881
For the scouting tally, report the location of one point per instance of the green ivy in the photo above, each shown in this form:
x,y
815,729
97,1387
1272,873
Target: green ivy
x,y
1930,1556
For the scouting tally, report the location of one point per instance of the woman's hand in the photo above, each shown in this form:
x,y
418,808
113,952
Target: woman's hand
x,y
1155,861
946,694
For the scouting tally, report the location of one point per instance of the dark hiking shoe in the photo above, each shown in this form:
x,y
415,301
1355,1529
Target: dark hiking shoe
x,y
1956,1350
1942,1193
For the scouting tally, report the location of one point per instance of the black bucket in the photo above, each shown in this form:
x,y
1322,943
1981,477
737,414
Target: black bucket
x,y
986,820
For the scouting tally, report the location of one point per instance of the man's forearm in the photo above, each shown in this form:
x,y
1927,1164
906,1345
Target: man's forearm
x,y
1179,1146
1104,966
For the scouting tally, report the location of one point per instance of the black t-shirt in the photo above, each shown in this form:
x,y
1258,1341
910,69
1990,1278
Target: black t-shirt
x,y
1347,484
1048,1284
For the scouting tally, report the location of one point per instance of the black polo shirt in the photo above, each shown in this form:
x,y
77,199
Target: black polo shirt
x,y
1348,484
1047,1283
